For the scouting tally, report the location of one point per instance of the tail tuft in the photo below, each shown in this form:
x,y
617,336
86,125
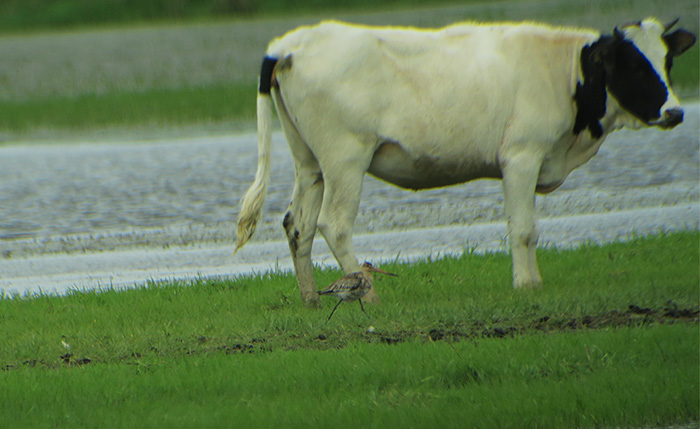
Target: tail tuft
x,y
252,204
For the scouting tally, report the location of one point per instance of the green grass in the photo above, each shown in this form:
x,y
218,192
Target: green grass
x,y
199,105
453,345
607,378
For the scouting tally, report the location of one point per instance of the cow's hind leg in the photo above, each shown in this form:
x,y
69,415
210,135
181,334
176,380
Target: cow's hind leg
x,y
520,175
343,173
300,226
302,215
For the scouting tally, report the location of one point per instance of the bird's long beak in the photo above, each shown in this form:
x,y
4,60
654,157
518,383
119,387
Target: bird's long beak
x,y
377,270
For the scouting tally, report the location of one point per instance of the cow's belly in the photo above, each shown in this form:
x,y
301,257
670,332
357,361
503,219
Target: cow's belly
x,y
393,164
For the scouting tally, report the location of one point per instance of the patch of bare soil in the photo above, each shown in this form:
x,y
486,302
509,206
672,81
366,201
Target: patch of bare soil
x,y
632,316
469,330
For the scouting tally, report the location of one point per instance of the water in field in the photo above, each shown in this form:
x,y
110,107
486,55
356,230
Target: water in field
x,y
87,196
164,209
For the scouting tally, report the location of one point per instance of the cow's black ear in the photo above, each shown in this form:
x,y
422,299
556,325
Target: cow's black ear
x,y
679,41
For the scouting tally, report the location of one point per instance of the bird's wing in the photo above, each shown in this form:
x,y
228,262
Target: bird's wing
x,y
353,281
346,283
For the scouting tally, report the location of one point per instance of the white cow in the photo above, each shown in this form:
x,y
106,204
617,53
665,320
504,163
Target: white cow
x,y
527,103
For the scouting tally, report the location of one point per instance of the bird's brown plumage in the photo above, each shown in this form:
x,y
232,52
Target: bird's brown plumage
x,y
353,286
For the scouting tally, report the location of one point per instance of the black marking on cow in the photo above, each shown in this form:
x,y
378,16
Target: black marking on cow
x,y
266,71
287,221
591,95
292,237
632,80
615,65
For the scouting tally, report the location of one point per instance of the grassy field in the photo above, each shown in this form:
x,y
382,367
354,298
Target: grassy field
x,y
611,340
177,75
156,108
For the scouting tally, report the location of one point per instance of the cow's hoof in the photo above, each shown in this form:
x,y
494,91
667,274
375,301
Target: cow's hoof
x,y
312,301
528,285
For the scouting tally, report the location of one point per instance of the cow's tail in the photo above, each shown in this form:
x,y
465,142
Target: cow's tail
x,y
252,204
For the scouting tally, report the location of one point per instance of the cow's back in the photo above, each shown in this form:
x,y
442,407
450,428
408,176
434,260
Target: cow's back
x,y
446,96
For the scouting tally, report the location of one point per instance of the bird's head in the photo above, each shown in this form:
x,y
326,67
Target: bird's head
x,y
369,268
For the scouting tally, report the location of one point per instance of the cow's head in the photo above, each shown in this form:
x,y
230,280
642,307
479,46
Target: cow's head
x,y
633,65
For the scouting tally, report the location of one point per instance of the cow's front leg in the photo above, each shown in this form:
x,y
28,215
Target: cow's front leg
x,y
519,181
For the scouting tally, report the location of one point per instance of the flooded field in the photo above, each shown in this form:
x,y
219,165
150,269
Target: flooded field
x,y
99,196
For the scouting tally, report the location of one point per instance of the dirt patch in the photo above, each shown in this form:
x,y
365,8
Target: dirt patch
x,y
256,345
634,315
469,330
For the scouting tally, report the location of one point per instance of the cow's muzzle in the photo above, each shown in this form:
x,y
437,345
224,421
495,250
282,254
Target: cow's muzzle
x,y
670,118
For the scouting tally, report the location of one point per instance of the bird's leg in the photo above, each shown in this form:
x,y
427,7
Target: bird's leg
x,y
363,309
336,306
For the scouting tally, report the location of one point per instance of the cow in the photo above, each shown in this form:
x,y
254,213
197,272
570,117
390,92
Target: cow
x,y
526,103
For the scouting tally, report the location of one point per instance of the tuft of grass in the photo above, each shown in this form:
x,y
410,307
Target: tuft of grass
x,y
611,340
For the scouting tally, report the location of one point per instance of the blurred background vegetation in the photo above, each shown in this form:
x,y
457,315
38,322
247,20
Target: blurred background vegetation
x,y
18,15
154,66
